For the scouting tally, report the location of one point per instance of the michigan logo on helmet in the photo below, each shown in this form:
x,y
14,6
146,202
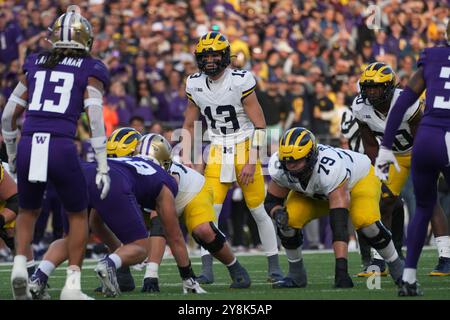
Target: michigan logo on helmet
x,y
377,83
297,144
212,53
157,148
71,30
122,142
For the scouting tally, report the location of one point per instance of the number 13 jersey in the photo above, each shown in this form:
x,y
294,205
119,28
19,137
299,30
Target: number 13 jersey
x,y
220,102
333,167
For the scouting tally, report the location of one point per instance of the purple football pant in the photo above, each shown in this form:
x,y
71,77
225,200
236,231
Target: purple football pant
x,y
429,159
119,210
64,171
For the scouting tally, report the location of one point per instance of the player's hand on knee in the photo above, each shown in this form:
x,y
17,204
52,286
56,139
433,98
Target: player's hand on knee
x,y
192,286
281,218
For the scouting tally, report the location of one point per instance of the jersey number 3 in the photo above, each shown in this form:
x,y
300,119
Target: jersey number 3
x,y
232,117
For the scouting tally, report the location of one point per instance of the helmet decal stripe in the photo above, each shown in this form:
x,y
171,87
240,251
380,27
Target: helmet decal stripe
x,y
66,26
288,137
61,30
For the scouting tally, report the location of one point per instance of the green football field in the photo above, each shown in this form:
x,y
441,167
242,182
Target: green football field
x,y
320,268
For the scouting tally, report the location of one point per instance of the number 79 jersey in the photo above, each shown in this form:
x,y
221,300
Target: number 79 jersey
x,y
221,104
333,166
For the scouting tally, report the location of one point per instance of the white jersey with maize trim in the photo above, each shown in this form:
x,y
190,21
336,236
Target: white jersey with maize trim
x,y
220,101
333,166
377,122
189,185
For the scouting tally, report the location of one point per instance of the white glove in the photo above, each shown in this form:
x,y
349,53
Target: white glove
x,y
192,286
10,138
12,164
384,160
102,179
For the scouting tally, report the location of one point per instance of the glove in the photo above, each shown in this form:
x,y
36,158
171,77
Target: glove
x,y
102,179
150,285
12,164
192,286
281,218
10,138
384,160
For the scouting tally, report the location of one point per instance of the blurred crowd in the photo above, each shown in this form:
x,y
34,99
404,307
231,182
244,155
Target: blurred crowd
x,y
306,55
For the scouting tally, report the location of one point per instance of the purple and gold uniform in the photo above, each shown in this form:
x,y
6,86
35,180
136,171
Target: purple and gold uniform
x,y
135,182
55,102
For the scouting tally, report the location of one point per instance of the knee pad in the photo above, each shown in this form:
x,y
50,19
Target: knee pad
x,y
271,202
12,203
377,235
156,228
339,224
291,238
215,245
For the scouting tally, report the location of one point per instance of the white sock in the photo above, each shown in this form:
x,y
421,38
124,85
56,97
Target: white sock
x,y
443,246
116,259
294,255
266,230
73,280
409,275
151,270
46,267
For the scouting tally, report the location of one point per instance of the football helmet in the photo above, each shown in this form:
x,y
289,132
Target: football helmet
x,y
122,142
377,83
212,42
296,144
71,30
157,148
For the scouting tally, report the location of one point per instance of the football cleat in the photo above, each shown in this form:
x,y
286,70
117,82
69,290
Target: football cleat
x,y
38,288
288,283
73,294
343,280
150,285
202,279
241,280
275,277
19,279
192,286
442,268
106,272
409,290
369,270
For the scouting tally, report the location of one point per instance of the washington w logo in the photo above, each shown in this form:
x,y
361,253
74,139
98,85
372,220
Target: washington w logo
x,y
40,139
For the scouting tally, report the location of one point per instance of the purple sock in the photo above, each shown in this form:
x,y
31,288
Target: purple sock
x,y
417,231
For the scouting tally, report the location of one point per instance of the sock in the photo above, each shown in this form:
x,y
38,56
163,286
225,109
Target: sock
x,y
266,230
116,260
443,246
233,262
151,270
31,267
207,266
341,265
234,266
409,275
294,255
46,267
73,281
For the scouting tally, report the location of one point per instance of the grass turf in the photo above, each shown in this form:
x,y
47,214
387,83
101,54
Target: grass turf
x,y
319,265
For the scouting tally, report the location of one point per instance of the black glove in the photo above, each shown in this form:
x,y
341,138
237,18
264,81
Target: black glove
x,y
281,218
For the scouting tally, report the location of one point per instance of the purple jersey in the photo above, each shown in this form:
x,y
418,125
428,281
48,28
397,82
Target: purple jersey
x,y
436,72
10,38
145,177
56,95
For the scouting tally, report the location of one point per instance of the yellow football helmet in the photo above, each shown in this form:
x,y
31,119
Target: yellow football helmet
x,y
122,142
71,30
377,83
212,42
157,148
296,144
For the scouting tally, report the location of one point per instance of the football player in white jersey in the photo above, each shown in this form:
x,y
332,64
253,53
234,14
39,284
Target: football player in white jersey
x,y
371,108
309,181
194,203
236,127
